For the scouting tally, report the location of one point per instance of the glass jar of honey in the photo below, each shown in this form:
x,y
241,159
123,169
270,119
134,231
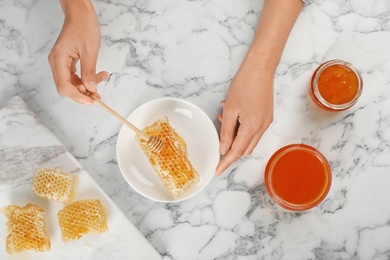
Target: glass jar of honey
x,y
336,85
298,177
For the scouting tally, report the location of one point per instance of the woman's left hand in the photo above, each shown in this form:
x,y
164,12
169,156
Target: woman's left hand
x,y
247,112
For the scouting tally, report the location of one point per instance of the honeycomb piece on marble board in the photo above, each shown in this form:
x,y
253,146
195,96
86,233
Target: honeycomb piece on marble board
x,y
83,217
26,229
55,185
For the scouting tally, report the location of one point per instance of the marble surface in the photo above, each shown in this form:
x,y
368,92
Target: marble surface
x,y
191,50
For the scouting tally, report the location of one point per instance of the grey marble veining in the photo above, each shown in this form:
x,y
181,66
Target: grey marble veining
x,y
191,50
27,159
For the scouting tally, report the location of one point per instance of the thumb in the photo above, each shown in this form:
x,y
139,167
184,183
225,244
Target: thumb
x,y
88,71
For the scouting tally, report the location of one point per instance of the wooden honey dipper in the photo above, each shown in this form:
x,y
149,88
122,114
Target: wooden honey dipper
x,y
154,143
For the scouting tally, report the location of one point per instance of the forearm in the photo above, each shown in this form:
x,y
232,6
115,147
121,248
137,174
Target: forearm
x,y
70,7
276,22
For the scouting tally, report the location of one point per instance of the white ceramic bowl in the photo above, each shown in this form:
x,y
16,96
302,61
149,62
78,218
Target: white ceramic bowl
x,y
192,124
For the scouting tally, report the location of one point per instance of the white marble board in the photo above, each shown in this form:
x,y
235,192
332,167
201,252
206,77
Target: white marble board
x,y
26,145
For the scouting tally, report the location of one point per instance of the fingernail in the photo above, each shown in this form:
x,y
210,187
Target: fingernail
x,y
106,77
82,89
92,86
87,102
223,148
217,171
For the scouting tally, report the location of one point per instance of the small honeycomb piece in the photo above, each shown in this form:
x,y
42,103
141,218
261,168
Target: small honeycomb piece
x,y
83,217
26,229
171,163
54,185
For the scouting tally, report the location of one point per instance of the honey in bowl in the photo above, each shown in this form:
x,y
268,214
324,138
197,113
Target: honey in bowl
x,y
298,177
336,85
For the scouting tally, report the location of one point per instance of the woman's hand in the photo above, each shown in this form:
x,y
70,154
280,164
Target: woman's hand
x,y
247,112
248,109
79,40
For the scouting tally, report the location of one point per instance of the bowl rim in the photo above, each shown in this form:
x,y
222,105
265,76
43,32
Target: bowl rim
x,y
213,134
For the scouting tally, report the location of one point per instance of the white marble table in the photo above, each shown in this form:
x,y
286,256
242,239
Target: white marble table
x,y
191,50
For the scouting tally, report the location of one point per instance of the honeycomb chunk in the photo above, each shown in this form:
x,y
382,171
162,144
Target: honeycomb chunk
x,y
26,229
171,163
55,185
84,217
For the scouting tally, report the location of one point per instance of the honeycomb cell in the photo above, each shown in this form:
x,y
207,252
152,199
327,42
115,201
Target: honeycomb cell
x,y
26,229
84,217
171,163
55,185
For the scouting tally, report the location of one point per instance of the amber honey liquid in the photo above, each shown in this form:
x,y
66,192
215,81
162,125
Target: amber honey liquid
x,y
338,84
299,178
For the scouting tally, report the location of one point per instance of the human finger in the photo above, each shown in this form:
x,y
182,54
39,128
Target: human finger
x,y
80,97
238,148
219,117
227,132
62,70
255,140
92,95
102,76
88,61
224,163
71,90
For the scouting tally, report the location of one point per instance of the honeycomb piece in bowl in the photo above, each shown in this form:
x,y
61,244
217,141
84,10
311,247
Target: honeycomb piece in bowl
x,y
26,229
171,163
55,185
83,217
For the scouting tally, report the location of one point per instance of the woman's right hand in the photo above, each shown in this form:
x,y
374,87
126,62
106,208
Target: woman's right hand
x,y
79,40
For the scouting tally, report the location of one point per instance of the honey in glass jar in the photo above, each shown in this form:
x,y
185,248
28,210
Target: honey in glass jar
x,y
298,177
336,85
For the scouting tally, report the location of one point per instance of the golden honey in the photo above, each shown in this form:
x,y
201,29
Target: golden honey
x,y
171,163
84,217
26,229
54,185
298,177
336,85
